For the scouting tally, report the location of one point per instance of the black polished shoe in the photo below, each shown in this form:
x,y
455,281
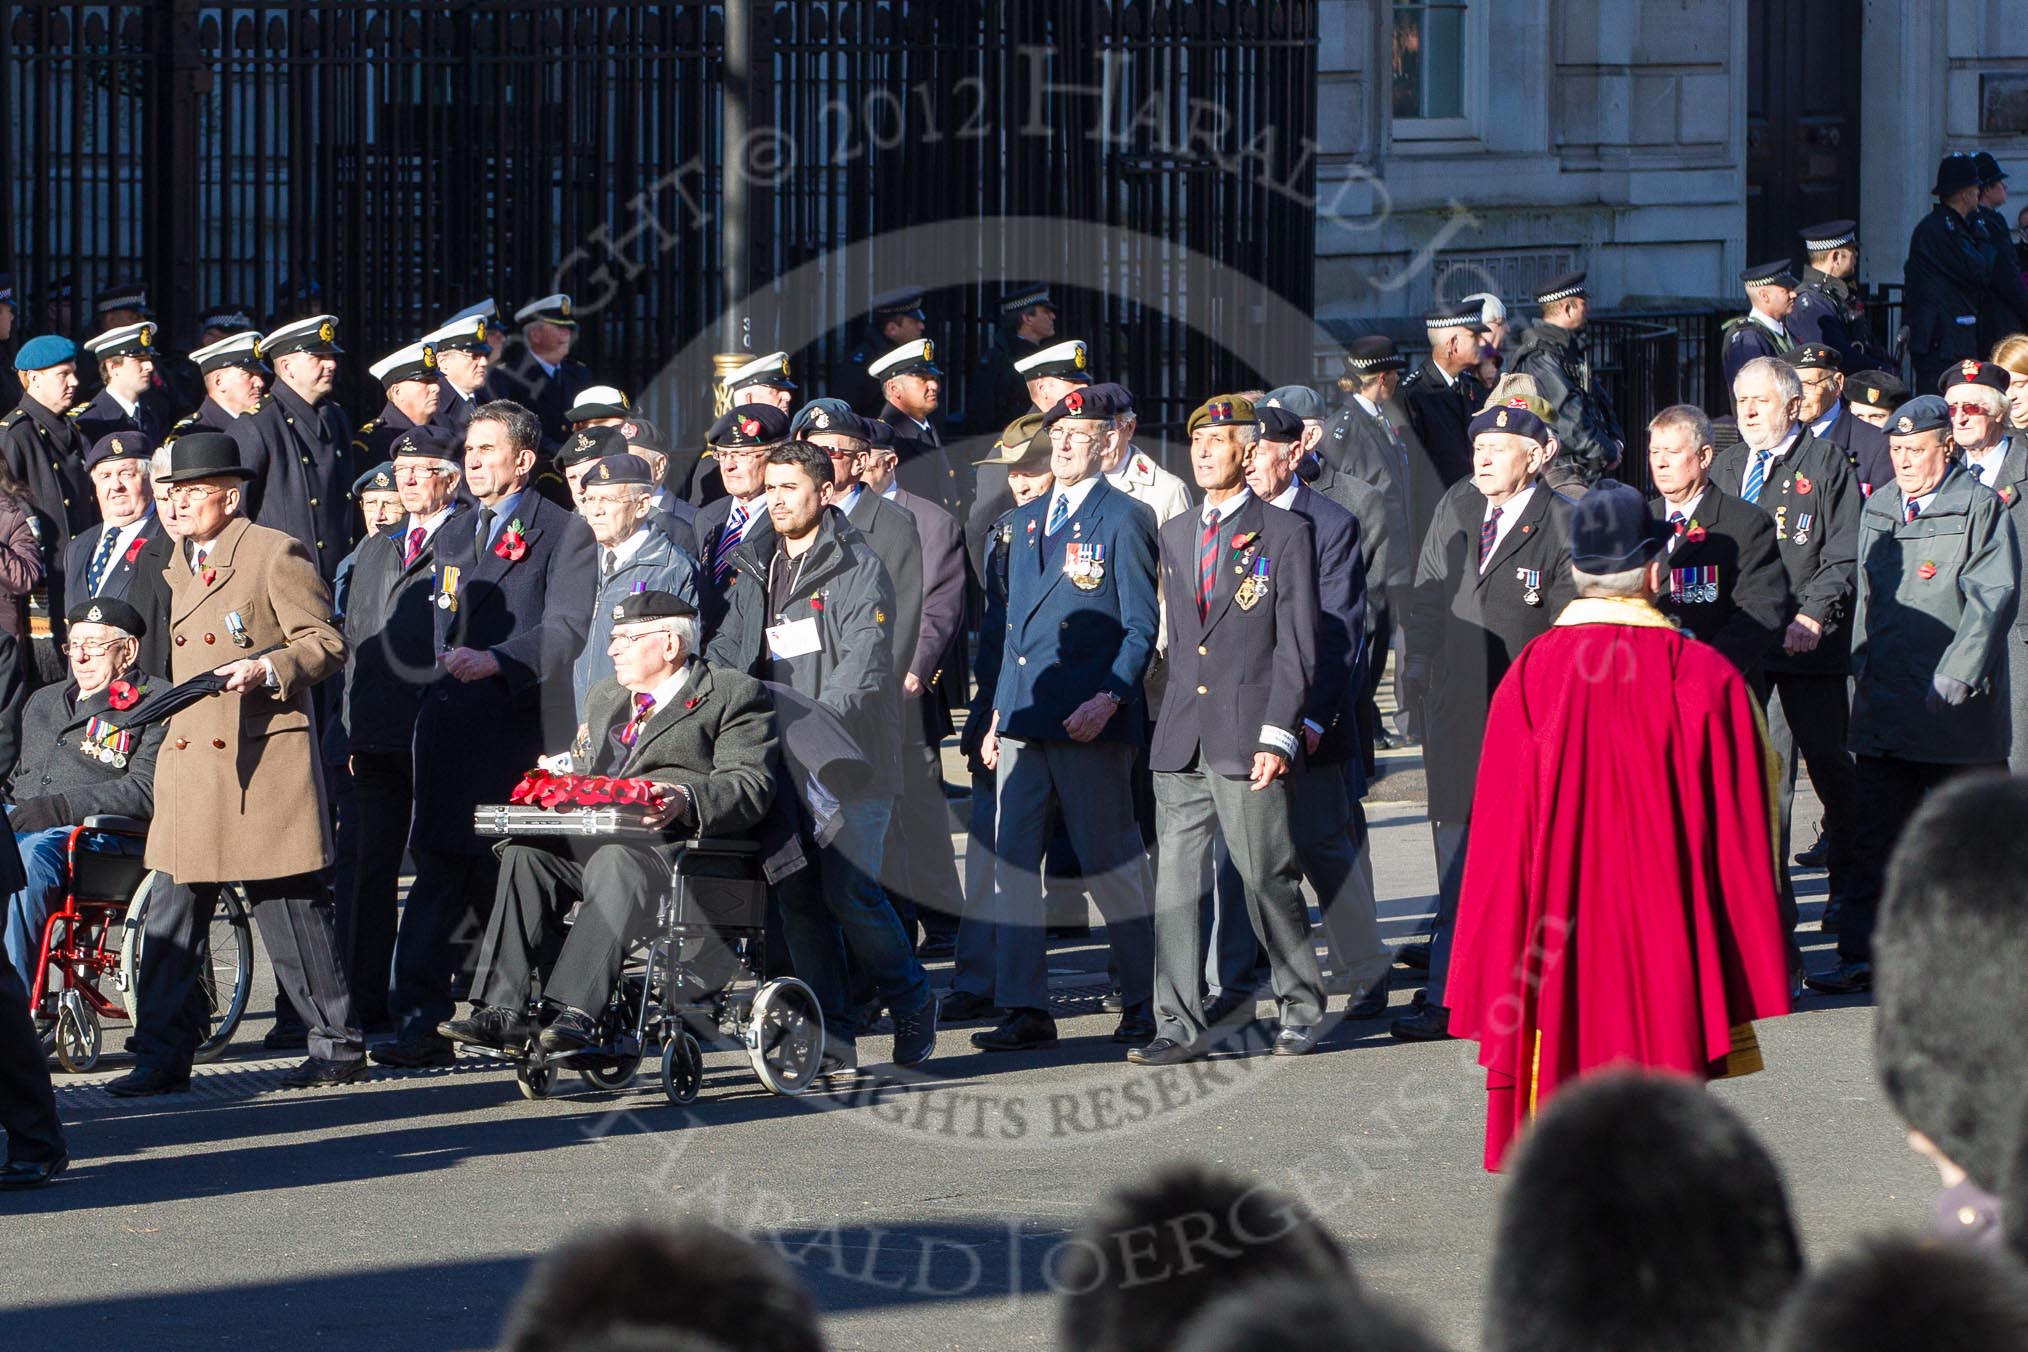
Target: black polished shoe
x,y
1135,1029
1828,921
1847,978
1372,1005
1226,1004
31,1173
144,1081
1414,956
1817,855
840,1065
1164,1051
424,1051
1296,1039
936,946
1023,1030
571,1031
290,1039
493,1026
1114,1002
965,1007
317,1073
1430,1023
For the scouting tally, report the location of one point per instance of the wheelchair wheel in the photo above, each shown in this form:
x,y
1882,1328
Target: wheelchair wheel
x,y
225,975
79,1038
785,1036
682,1069
536,1082
613,1074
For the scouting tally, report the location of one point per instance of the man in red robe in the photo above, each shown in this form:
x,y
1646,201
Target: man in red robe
x,y
1619,902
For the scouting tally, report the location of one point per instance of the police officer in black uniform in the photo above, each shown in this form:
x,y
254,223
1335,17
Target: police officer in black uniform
x,y
234,378
896,320
1552,353
1828,307
999,392
1949,272
298,444
2005,306
1763,331
1442,394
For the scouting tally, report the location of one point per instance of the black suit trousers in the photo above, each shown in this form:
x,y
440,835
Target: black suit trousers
x,y
438,941
383,796
1808,716
1890,790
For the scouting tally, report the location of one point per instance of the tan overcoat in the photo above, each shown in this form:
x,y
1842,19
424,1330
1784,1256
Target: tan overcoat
x,y
238,791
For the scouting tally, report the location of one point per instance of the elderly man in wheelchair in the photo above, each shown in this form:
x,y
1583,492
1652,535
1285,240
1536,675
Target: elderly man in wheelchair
x,y
709,736
75,764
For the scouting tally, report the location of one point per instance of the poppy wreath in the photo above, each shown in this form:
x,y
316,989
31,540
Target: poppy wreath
x,y
563,793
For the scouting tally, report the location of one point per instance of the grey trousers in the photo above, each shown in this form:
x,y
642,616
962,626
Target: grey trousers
x,y
1190,806
1092,783
620,886
972,972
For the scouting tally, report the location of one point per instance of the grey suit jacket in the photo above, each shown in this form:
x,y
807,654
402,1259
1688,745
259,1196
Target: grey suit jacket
x,y
717,739
52,763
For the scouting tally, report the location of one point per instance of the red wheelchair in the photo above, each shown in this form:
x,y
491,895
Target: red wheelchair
x,y
92,948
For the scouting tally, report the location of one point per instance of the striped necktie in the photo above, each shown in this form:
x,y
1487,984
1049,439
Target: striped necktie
x,y
1207,565
1914,509
415,544
1489,534
101,559
1680,525
728,540
644,704
1756,476
1058,514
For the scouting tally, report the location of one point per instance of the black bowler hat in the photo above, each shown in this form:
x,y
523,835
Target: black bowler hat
x,y
642,606
1611,530
592,443
108,610
1955,173
204,455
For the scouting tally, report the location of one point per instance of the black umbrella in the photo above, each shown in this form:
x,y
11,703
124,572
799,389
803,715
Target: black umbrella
x,y
168,701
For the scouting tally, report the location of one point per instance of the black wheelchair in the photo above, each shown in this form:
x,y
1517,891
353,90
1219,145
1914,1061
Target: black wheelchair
x,y
699,973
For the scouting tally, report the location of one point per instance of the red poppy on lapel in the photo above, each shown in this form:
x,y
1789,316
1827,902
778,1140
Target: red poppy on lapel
x,y
1926,571
134,549
512,544
122,695
1694,534
1802,484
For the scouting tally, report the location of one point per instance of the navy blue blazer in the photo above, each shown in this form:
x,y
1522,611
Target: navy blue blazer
x,y
1064,642
120,573
473,741
1341,623
1241,667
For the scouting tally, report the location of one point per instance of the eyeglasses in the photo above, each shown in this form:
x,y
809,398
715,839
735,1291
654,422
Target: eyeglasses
x,y
183,494
1079,439
1970,411
631,639
418,471
81,649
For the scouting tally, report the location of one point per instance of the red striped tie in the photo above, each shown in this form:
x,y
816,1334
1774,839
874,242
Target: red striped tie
x,y
1207,566
415,543
644,704
1914,509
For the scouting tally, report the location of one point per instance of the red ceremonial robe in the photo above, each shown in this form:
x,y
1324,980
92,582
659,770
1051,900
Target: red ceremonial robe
x,y
1619,896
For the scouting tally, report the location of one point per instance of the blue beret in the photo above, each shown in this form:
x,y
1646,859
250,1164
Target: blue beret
x,y
379,479
44,351
1507,418
1924,413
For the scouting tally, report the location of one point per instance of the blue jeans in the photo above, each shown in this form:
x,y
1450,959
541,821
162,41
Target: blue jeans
x,y
45,858
836,905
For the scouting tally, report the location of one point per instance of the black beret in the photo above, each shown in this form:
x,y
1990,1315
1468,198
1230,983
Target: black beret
x,y
624,468
591,443
749,425
108,610
1813,357
118,446
1089,402
1278,424
1990,374
645,435
638,607
1876,389
434,443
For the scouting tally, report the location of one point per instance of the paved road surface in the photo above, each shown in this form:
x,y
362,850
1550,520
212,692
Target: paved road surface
x,y
402,1216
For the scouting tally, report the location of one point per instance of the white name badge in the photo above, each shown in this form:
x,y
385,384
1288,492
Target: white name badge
x,y
797,638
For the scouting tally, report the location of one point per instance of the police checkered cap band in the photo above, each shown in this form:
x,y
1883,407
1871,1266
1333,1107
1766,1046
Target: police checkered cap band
x,y
1564,292
130,297
1819,243
1450,321
1387,362
1768,274
1026,298
239,349
225,319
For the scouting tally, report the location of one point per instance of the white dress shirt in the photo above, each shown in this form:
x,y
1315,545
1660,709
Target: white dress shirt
x,y
1510,512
